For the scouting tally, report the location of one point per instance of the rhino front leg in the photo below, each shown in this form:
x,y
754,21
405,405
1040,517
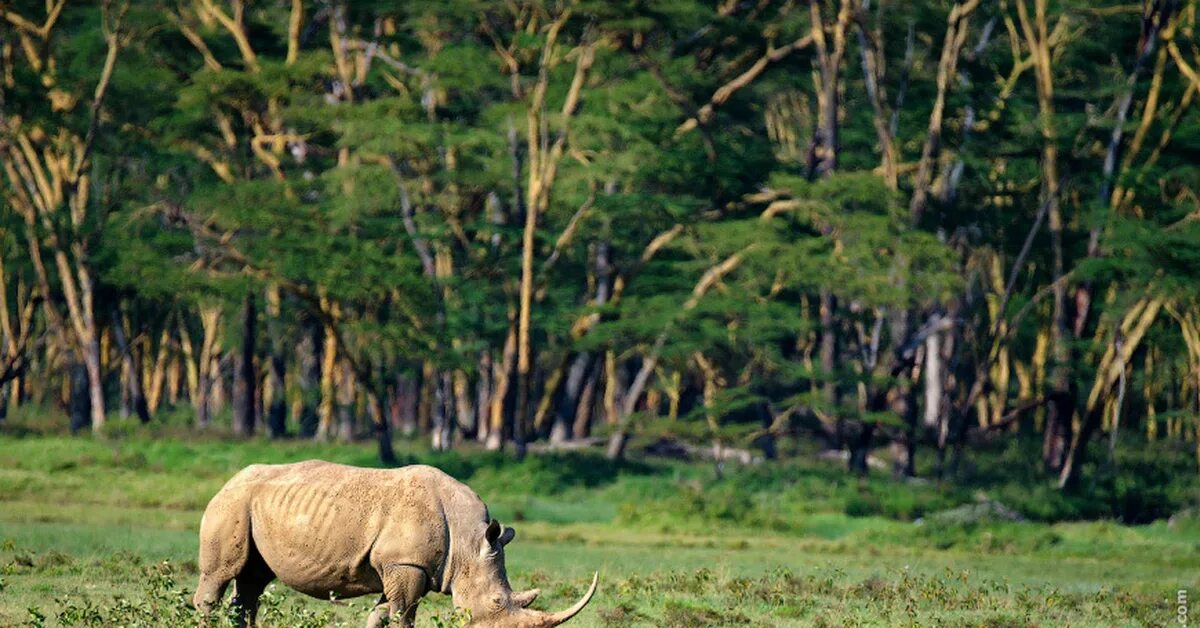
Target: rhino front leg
x,y
224,549
208,593
380,614
403,587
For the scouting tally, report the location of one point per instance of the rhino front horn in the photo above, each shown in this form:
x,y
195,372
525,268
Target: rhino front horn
x,y
554,619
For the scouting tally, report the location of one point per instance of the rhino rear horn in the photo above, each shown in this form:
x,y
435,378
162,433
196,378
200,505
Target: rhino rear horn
x,y
525,598
553,619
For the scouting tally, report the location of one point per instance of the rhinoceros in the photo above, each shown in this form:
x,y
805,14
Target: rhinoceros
x,y
330,530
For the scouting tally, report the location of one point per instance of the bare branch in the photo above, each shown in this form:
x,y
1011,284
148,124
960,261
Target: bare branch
x,y
53,11
956,34
773,55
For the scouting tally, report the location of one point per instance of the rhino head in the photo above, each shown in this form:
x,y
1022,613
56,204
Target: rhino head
x,y
480,585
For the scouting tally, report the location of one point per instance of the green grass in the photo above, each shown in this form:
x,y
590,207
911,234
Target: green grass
x,y
103,532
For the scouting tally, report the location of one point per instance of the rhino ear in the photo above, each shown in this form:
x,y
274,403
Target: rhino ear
x,y
507,535
493,532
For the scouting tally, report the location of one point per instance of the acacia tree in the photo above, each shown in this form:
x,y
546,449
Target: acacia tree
x,y
49,133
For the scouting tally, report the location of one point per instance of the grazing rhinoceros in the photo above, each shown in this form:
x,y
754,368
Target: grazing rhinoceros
x,y
332,530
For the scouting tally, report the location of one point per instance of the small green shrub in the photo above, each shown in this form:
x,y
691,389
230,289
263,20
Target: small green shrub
x,y
458,618
623,614
683,615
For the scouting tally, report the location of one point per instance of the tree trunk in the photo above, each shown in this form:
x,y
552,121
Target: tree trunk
x,y
244,380
903,449
426,399
130,368
448,411
308,379
391,407
260,391
831,423
618,396
174,374
79,402
441,410
612,389
126,396
464,411
383,434
203,397
483,396
1073,457
616,444
155,381
584,411
328,366
503,370
345,402
564,418
276,412
210,320
91,361
768,441
904,404
934,383
219,387
14,394
187,352
520,417
524,348
1058,428
406,402
860,449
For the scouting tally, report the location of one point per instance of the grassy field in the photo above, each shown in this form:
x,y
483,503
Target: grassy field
x,y
103,532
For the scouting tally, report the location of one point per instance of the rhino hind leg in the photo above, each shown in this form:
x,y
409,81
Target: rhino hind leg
x,y
250,582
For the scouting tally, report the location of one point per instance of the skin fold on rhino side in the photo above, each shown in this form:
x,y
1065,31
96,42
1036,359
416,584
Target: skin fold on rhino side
x,y
333,530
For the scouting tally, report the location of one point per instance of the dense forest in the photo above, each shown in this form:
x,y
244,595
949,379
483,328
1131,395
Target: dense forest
x,y
886,229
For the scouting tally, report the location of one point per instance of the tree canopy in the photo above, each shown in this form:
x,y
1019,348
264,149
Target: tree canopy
x,y
756,224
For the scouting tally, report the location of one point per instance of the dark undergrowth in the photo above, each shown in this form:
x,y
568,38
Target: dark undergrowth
x,y
1142,484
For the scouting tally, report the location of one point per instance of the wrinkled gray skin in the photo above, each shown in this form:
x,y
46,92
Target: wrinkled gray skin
x,y
332,530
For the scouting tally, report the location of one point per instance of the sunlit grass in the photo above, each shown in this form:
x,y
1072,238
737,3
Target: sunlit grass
x,y
103,532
